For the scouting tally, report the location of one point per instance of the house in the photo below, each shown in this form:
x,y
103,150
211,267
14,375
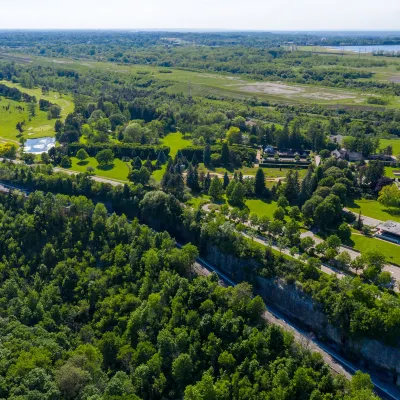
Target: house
x,y
390,231
355,156
343,154
269,150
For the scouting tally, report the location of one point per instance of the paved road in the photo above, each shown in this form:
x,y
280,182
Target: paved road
x,y
324,267
97,178
392,269
306,339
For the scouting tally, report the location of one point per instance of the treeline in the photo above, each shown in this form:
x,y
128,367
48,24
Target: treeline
x,y
15,94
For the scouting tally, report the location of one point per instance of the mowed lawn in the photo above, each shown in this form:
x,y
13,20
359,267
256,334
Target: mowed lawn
x,y
119,170
261,207
175,142
364,243
373,209
395,143
12,112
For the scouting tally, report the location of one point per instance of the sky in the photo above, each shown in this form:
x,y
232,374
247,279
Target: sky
x,y
265,15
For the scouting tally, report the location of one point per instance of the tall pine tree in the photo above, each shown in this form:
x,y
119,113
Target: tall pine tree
x,y
207,155
259,183
226,180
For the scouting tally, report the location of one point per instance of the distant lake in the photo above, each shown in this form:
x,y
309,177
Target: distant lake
x,y
40,145
367,49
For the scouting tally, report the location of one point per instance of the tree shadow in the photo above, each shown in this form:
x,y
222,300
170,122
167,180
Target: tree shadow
x,y
106,167
352,204
349,243
392,211
82,163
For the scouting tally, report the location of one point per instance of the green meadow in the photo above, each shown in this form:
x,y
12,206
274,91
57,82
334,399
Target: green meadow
x,y
202,83
119,170
12,112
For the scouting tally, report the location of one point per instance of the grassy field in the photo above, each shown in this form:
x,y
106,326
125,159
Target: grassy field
x,y
176,142
38,126
373,209
395,143
234,86
261,208
363,243
389,172
119,170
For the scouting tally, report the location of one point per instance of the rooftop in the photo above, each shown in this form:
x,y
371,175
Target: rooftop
x,y
391,227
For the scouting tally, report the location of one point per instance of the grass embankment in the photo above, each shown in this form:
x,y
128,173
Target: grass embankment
x,y
35,127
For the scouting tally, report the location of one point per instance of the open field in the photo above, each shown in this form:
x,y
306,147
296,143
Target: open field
x,y
12,112
395,143
373,209
364,243
176,142
119,170
203,83
261,207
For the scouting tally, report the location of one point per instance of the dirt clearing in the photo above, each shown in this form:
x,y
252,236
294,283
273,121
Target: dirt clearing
x,y
280,89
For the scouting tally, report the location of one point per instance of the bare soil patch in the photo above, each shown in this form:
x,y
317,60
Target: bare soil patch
x,y
292,91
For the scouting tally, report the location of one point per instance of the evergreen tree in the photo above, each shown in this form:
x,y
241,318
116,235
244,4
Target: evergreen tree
x,y
226,180
240,177
216,188
161,158
207,183
259,183
225,157
192,179
292,187
207,155
137,163
148,164
238,194
307,188
195,161
282,138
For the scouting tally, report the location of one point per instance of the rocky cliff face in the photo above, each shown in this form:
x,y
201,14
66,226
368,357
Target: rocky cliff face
x,y
300,307
292,301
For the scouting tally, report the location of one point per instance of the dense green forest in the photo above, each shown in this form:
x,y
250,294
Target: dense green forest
x,y
94,306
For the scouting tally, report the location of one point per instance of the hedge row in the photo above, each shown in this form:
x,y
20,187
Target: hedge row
x,y
300,162
120,149
263,165
241,152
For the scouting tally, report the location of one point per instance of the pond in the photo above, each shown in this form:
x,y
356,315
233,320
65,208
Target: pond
x,y
369,49
39,145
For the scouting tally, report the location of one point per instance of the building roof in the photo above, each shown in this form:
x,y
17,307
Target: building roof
x,y
391,227
355,156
